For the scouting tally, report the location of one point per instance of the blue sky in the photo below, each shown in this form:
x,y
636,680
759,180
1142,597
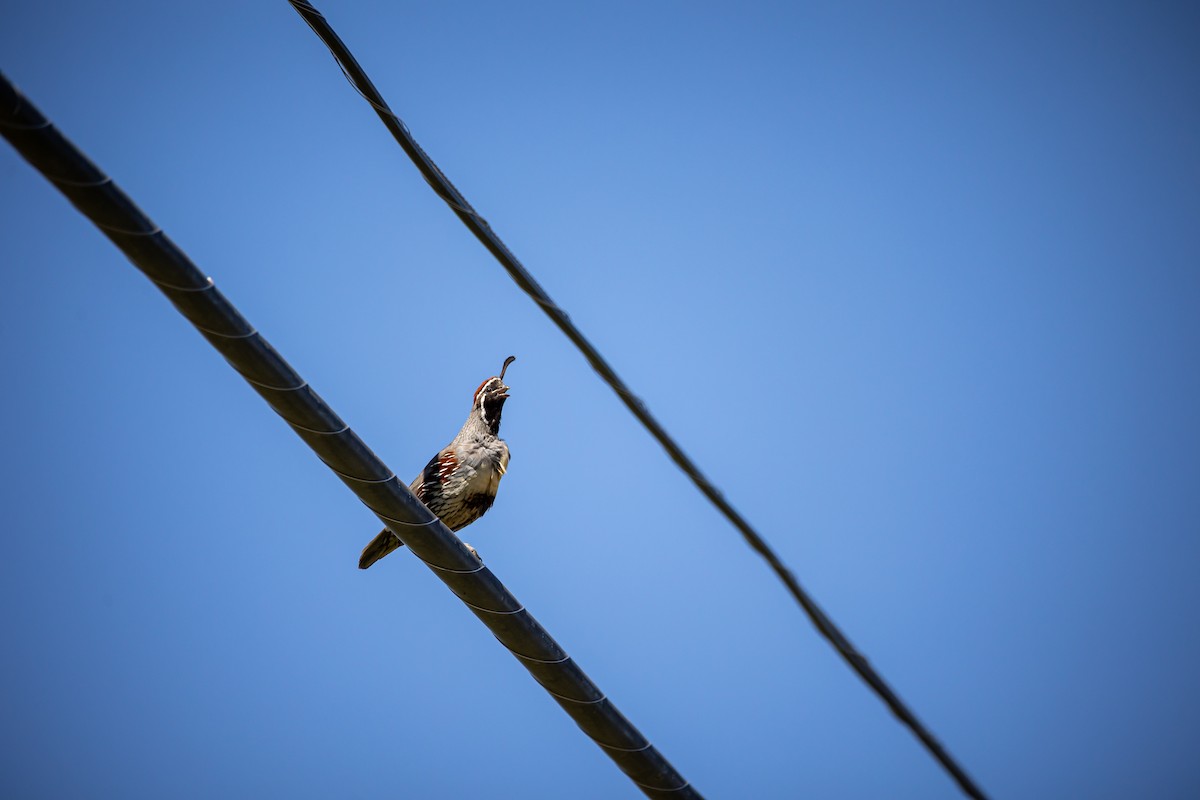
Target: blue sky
x,y
916,285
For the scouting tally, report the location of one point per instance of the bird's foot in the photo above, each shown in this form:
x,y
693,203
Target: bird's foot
x,y
473,552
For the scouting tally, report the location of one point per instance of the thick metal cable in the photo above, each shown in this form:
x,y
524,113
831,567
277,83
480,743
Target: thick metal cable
x,y
479,226
197,299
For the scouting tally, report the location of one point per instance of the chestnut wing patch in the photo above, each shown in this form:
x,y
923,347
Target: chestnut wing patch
x,y
436,472
447,463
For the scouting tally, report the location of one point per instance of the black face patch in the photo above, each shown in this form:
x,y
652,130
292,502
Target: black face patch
x,y
492,406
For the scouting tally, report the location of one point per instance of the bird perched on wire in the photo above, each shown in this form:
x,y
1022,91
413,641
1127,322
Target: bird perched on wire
x,y
459,483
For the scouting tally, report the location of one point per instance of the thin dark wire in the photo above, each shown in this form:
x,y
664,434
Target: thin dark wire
x,y
479,226
338,447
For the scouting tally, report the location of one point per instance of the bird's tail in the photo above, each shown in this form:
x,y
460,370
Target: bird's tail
x,y
379,547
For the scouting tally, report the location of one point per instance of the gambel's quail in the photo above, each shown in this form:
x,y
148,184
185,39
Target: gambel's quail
x,y
459,483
